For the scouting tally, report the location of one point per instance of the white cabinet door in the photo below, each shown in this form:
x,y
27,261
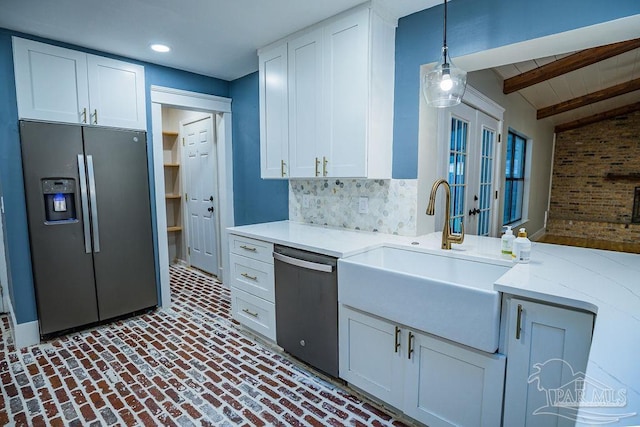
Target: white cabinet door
x,y
116,93
370,357
305,105
346,74
274,119
546,354
450,385
51,82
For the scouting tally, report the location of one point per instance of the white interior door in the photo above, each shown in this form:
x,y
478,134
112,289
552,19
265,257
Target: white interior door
x,y
201,195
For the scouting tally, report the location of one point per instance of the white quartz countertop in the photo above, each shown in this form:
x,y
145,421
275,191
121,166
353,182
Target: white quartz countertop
x,y
603,282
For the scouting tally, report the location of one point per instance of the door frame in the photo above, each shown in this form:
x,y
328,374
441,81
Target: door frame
x,y
477,100
220,108
216,195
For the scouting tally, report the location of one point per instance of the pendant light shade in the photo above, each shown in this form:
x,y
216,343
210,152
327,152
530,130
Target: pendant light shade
x,y
444,85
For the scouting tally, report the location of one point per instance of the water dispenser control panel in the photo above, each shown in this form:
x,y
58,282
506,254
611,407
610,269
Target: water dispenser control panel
x,y
59,199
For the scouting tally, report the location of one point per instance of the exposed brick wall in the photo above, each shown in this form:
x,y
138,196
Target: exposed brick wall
x,y
582,194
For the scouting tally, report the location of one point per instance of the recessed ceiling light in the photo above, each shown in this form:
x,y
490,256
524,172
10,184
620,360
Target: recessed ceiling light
x,y
163,48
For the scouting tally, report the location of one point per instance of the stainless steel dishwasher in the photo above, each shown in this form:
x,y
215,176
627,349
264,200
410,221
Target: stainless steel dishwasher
x,y
307,307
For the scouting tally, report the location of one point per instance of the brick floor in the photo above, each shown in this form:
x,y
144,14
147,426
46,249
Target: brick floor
x,y
186,366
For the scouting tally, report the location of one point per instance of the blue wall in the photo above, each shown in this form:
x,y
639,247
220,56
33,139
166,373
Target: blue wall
x,y
255,200
474,26
21,287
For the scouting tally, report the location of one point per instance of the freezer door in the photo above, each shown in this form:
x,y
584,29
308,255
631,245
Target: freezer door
x,y
62,265
121,213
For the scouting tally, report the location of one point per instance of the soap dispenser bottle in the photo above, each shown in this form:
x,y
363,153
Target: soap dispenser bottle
x,y
507,241
522,247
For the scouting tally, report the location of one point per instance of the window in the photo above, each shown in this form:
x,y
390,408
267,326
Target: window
x,y
515,173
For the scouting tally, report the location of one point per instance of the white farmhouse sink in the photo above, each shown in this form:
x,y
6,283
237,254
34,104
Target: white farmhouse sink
x,y
449,297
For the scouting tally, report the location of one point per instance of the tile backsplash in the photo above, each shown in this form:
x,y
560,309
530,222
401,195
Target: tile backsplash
x,y
392,204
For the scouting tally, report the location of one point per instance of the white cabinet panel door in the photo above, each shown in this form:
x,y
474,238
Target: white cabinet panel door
x,y
274,119
305,105
369,356
51,82
450,385
346,74
549,352
116,93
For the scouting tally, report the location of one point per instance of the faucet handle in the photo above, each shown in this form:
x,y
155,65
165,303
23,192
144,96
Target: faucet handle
x,y
458,238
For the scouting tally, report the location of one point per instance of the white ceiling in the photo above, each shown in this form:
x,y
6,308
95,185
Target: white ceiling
x,y
217,38
598,76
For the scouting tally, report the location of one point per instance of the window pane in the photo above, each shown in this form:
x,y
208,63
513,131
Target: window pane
x,y
508,162
518,161
507,202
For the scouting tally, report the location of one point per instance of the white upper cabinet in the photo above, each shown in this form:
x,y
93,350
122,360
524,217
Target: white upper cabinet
x,y
51,82
273,113
116,93
64,85
305,105
340,78
346,89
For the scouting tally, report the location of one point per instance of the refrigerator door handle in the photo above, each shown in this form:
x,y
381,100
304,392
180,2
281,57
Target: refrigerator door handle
x,y
94,204
85,204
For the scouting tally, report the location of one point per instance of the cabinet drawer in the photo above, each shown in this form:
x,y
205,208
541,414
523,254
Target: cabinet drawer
x,y
254,277
254,313
251,248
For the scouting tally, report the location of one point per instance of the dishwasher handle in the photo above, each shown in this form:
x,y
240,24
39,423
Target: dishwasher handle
x,y
325,268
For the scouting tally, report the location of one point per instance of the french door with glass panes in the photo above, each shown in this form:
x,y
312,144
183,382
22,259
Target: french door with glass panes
x,y
470,161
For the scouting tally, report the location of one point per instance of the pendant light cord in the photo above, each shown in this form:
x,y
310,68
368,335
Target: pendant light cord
x,y
444,35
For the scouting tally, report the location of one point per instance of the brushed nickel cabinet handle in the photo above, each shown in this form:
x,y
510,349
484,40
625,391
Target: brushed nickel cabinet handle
x,y
95,117
84,115
317,166
282,168
324,166
519,321
411,336
249,312
249,277
249,248
397,346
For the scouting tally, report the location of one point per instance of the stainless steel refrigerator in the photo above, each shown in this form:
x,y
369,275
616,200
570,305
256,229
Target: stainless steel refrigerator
x,y
89,215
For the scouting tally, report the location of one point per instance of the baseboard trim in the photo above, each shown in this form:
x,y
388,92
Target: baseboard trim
x,y
24,334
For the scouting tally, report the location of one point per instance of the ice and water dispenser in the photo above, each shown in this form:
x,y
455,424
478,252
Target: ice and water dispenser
x,y
59,199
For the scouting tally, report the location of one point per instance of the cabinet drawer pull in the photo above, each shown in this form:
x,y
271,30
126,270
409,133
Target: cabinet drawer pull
x,y
411,336
397,346
249,248
324,166
249,312
519,321
317,166
245,275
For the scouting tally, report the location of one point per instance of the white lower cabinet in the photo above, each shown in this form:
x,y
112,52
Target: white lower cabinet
x,y
252,284
547,348
432,380
447,384
369,356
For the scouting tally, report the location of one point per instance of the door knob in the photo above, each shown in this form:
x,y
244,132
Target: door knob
x,y
210,209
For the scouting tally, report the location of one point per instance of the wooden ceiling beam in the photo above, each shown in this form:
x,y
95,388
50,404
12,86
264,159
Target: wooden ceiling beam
x,y
569,63
598,117
589,98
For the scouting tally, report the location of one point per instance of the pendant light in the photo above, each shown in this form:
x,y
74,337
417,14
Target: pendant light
x,y
444,85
